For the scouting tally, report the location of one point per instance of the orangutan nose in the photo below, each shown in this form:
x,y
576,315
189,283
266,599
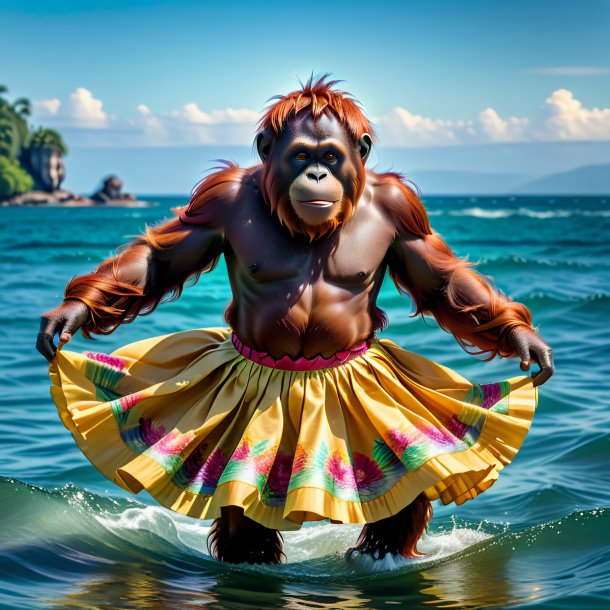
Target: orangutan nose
x,y
316,173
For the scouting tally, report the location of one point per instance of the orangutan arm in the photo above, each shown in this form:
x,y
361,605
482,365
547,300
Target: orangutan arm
x,y
465,304
132,283
152,268
461,300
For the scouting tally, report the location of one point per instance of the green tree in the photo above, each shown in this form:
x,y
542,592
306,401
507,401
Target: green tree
x,y
23,107
13,179
23,153
48,138
14,130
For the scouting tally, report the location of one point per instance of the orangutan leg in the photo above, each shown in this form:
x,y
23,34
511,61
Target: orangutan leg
x,y
235,538
396,535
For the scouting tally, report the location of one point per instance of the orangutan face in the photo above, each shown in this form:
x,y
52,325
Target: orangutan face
x,y
314,173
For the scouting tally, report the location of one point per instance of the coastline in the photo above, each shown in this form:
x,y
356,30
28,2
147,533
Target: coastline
x,y
61,198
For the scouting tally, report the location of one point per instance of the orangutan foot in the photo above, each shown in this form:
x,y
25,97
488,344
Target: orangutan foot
x,y
396,535
234,538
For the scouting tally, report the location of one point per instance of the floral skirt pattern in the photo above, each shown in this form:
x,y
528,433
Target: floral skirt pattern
x,y
199,426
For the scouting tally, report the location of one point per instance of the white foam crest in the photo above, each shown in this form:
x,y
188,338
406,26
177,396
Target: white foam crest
x,y
436,548
159,521
315,542
545,213
483,213
602,213
309,543
528,212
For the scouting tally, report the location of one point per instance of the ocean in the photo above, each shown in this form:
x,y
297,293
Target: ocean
x,y
539,538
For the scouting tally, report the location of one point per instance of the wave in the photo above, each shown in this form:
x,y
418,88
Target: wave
x,y
495,213
58,245
77,518
547,298
520,261
117,548
520,242
40,516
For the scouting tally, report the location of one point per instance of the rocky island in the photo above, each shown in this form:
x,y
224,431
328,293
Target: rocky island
x,y
32,168
111,193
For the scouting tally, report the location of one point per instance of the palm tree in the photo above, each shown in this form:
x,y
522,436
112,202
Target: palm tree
x,y
6,138
48,138
36,151
15,137
10,141
23,107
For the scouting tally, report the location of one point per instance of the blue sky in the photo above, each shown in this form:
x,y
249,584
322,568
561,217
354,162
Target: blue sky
x,y
439,59
162,74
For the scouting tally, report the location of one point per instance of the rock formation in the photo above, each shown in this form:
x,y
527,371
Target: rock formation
x,y
111,191
46,167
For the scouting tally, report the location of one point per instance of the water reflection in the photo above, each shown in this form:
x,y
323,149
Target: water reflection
x,y
503,571
460,583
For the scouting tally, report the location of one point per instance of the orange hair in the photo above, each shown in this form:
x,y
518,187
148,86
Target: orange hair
x,y
120,288
317,97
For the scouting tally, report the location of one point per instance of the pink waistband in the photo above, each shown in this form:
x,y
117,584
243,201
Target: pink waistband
x,y
286,363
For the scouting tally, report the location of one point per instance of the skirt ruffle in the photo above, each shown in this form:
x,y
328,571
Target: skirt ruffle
x,y
199,426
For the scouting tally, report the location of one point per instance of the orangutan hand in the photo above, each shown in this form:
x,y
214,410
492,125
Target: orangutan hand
x,y
65,319
529,346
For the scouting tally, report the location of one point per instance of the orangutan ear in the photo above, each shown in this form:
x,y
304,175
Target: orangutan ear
x,y
365,145
263,144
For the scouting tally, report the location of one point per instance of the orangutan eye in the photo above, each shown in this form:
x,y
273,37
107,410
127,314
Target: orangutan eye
x,y
302,156
330,157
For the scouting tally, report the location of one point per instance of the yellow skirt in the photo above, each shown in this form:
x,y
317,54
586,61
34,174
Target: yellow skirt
x,y
199,426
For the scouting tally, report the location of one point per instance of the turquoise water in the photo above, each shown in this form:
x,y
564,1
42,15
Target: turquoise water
x,y
540,538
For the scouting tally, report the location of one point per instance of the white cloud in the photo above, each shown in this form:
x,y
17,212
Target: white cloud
x,y
571,70
83,108
501,130
399,126
562,117
190,125
47,107
83,115
192,114
565,118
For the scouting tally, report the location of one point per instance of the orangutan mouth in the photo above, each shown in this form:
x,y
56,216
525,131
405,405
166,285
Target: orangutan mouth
x,y
319,203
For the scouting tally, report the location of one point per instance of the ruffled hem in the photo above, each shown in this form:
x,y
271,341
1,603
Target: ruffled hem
x,y
189,419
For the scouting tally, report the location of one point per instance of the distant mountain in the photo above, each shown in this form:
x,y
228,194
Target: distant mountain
x,y
587,180
529,159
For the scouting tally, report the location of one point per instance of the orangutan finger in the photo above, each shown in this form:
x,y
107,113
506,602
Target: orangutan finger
x,y
547,368
551,359
66,334
542,377
522,349
546,358
45,346
63,339
44,340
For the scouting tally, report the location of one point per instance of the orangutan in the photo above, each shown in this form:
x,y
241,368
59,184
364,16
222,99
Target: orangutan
x,y
307,236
